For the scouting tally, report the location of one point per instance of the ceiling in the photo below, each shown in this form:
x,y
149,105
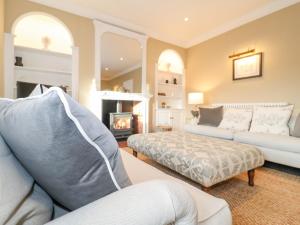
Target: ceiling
x,y
119,55
164,19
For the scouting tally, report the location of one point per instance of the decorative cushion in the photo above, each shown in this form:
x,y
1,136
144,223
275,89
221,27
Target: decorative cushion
x,y
66,148
272,120
38,90
21,200
211,116
236,119
296,131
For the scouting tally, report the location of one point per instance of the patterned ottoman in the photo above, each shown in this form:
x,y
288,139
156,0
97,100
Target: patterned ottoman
x,y
205,160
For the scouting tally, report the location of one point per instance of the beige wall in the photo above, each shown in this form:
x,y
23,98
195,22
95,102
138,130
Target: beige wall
x,y
154,49
83,33
278,36
208,67
1,46
81,28
135,75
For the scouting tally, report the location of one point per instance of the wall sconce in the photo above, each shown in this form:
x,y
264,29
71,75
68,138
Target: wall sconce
x,y
242,53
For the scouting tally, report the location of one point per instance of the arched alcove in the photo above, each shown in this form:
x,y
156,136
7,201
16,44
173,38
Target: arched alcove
x,y
40,50
42,31
170,61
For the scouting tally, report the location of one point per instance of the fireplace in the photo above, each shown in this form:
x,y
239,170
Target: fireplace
x,y
121,124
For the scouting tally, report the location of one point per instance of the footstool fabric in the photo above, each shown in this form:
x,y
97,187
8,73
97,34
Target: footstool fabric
x,y
203,159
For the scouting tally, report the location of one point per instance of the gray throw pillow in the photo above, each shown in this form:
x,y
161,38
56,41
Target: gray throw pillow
x,y
296,132
21,200
211,116
65,147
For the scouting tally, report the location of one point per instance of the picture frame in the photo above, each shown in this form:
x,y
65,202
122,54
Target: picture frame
x,y
246,67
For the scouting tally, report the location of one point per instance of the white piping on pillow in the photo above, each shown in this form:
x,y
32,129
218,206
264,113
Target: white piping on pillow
x,y
77,124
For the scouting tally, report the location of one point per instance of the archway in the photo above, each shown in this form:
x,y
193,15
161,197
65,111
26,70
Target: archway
x,y
46,55
170,61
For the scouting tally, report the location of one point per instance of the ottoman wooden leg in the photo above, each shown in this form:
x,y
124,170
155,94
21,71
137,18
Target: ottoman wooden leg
x,y
205,189
135,154
251,177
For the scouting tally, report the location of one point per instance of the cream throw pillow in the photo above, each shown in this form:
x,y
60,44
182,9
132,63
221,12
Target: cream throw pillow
x,y
272,120
236,119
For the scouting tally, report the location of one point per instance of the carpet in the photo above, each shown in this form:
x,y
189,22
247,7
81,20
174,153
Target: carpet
x,y
274,200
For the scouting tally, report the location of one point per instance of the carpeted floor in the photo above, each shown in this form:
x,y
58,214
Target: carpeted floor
x,y
274,200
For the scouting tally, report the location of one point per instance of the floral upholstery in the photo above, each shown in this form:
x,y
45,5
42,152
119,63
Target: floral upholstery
x,y
236,119
205,160
271,120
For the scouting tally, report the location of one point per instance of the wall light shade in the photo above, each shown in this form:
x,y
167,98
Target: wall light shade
x,y
195,98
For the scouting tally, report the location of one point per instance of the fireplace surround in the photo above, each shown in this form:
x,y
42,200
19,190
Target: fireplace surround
x,y
137,104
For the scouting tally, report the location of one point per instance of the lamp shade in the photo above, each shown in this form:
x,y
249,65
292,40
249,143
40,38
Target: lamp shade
x,y
195,98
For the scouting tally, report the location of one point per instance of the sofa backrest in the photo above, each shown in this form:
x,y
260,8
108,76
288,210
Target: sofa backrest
x,y
21,200
250,105
292,121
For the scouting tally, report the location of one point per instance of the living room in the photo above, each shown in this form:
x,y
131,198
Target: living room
x,y
202,103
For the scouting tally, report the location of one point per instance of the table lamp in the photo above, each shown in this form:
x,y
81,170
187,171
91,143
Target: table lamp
x,y
195,98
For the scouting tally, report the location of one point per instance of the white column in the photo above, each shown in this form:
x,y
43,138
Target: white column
x,y
75,73
9,72
144,66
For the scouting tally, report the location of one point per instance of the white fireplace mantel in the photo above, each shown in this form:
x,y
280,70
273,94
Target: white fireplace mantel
x,y
138,97
113,95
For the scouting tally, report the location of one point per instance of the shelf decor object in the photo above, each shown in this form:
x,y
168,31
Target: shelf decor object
x,y
247,67
18,61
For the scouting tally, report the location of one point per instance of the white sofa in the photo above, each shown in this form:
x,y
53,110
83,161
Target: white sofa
x,y
147,202
276,148
211,210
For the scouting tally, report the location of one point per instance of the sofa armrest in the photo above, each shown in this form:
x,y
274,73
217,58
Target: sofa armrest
x,y
151,203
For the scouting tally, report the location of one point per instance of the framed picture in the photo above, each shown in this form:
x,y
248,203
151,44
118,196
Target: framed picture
x,y
247,67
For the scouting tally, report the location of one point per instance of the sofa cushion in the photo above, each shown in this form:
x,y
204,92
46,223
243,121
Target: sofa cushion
x,y
272,120
272,141
236,119
21,200
211,116
66,148
209,131
296,130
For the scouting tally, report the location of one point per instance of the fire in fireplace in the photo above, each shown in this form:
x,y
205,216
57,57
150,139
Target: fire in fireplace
x,y
121,124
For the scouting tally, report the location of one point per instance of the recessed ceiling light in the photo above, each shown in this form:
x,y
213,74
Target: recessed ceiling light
x,y
106,68
186,19
121,58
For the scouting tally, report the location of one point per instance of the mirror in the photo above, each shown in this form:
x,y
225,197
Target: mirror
x,y
121,63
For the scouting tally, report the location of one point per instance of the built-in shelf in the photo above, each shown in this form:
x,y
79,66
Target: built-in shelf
x,y
171,85
43,70
170,108
172,73
42,51
169,97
